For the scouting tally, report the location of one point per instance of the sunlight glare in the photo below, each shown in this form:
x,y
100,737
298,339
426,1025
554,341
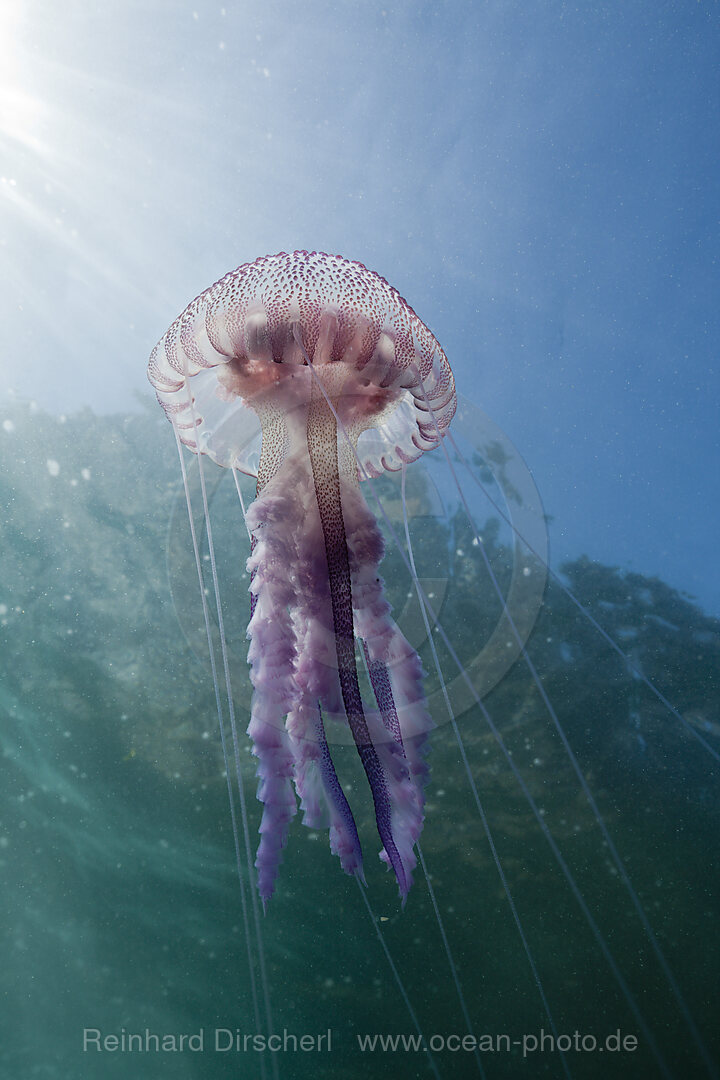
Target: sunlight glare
x,y
19,110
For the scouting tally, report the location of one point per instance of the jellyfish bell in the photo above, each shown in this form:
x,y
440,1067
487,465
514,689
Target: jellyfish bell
x,y
322,363
245,341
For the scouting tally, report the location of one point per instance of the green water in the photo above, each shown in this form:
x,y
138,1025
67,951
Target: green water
x,y
121,902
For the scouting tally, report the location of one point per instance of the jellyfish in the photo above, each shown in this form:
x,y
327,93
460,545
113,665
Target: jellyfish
x,y
343,381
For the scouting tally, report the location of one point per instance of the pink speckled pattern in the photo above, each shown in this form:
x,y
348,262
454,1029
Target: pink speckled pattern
x,y
246,320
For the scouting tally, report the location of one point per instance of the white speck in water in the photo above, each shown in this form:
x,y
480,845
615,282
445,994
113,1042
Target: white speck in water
x,y
53,467
85,473
8,426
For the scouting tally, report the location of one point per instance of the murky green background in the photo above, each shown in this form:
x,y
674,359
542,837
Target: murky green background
x,y
121,904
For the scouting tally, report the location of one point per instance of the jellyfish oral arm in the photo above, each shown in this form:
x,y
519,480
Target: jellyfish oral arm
x,y
316,550
323,452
